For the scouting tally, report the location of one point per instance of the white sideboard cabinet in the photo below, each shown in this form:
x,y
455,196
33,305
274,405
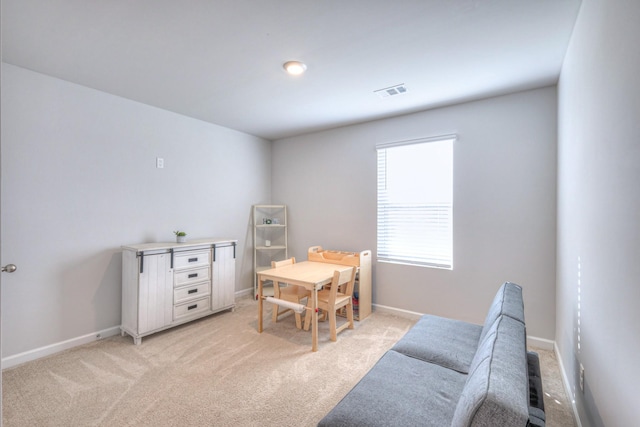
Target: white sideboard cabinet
x,y
167,284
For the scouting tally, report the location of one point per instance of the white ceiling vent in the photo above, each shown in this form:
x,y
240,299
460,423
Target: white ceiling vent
x,y
391,91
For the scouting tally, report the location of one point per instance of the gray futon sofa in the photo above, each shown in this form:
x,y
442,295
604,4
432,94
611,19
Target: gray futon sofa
x,y
446,372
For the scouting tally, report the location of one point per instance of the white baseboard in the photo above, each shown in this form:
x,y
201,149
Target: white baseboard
x,y
27,356
567,388
411,315
541,343
244,292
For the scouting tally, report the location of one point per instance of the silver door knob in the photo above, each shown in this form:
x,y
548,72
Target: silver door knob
x,y
9,268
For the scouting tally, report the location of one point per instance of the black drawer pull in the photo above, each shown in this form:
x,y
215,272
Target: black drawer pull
x,y
191,307
192,275
193,259
192,291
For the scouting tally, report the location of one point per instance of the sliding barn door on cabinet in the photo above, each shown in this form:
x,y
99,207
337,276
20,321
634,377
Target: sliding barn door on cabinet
x,y
223,281
148,302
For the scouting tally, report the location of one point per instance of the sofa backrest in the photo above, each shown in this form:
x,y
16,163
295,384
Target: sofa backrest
x,y
507,302
496,391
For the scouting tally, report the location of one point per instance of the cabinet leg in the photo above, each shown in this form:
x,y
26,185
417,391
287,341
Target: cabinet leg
x,y
137,341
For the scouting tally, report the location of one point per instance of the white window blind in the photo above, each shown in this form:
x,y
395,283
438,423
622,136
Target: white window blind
x,y
415,202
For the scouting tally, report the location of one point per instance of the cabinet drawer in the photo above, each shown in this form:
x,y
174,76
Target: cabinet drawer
x,y
191,259
189,293
181,278
182,311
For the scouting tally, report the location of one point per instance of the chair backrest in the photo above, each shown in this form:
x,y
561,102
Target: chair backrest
x,y
288,261
347,277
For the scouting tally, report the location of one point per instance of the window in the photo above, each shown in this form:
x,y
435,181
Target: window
x,y
415,202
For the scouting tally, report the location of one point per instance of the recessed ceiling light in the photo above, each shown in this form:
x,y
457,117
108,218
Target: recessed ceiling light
x,y
295,67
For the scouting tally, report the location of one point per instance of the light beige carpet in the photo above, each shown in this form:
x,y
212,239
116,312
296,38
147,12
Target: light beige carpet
x,y
216,371
556,404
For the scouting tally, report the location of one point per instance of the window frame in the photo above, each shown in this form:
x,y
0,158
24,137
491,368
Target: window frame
x,y
385,230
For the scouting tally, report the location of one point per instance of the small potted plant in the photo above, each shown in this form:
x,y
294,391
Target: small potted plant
x,y
181,236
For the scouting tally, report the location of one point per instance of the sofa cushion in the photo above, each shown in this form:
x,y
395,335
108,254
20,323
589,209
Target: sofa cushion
x,y
507,302
403,390
496,392
445,342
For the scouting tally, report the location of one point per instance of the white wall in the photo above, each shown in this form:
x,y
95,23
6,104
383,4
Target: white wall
x,y
504,203
598,320
79,180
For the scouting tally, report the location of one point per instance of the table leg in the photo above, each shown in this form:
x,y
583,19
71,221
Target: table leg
x,y
314,321
259,304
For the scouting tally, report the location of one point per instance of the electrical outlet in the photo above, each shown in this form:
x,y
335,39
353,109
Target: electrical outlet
x,y
159,162
581,378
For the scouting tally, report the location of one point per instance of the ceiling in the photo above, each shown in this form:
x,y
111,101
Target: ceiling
x,y
221,60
